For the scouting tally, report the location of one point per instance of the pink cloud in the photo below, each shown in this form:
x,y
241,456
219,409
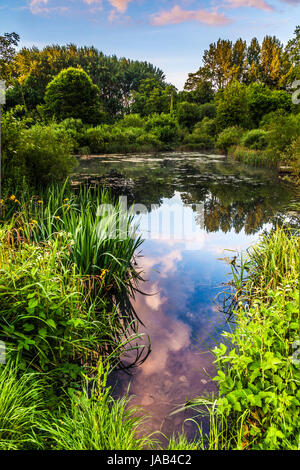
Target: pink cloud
x,y
96,5
40,7
120,5
259,4
177,15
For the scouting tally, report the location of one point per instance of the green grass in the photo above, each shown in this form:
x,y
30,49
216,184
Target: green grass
x,y
21,399
96,421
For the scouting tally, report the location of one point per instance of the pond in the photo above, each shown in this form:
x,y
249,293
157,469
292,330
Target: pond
x,y
197,207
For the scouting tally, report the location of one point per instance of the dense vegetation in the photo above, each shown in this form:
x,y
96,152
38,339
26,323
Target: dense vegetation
x,y
66,288
239,102
64,332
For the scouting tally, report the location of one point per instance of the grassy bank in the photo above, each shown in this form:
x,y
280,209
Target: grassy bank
x,y
66,317
258,404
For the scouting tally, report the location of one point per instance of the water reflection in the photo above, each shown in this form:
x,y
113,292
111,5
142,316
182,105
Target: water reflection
x,y
234,196
185,275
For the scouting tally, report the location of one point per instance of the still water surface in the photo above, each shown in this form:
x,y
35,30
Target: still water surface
x,y
224,206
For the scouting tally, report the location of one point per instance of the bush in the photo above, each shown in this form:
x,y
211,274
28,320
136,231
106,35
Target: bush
x,y
227,138
165,128
199,140
132,120
256,139
207,110
188,114
46,153
206,126
263,101
282,130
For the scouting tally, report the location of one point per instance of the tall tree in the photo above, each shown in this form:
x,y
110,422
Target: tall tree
x,y
73,94
8,43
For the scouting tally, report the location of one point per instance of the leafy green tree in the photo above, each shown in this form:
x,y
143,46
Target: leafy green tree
x,y
263,101
153,97
253,61
116,77
274,64
72,94
188,114
197,91
232,106
293,47
8,42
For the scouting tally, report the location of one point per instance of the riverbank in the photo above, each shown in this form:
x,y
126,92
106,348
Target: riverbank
x,y
258,403
64,318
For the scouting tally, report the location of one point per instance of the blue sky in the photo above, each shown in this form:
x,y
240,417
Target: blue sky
x,y
171,34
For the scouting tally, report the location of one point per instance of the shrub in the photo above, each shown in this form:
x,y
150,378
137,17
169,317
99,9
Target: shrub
x,y
256,139
165,128
188,114
46,153
263,101
207,110
282,130
227,138
200,140
132,120
206,126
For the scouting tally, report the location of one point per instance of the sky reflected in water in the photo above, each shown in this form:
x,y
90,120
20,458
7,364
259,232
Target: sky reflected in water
x,y
217,205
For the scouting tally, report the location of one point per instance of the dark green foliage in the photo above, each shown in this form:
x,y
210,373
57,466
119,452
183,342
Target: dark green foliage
x,y
8,43
165,128
207,110
72,94
233,107
201,94
188,114
46,153
256,139
262,101
153,97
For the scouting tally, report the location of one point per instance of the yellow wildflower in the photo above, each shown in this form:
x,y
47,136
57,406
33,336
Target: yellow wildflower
x,y
40,202
12,198
103,273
